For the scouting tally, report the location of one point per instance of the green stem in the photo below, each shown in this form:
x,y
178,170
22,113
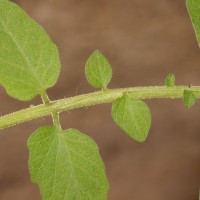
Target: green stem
x,y
90,99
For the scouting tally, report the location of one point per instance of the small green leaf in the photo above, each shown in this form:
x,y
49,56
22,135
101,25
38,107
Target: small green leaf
x,y
189,98
28,58
133,116
193,7
66,165
98,70
170,80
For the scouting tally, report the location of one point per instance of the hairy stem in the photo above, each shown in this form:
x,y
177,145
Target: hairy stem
x,y
105,96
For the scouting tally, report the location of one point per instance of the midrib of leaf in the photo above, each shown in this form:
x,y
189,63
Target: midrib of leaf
x,y
70,163
132,114
138,128
104,70
100,69
60,142
138,116
72,166
94,73
123,110
21,52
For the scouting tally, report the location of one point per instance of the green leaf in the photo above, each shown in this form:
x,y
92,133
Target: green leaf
x,y
133,116
98,70
170,80
189,98
66,165
193,7
29,61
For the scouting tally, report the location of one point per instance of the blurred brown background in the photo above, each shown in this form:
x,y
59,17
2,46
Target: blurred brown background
x,y
144,41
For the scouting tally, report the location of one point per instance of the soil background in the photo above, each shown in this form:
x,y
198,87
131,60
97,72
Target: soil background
x,y
144,41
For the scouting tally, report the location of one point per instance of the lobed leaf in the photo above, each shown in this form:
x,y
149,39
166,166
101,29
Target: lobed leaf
x,y
133,116
189,98
193,7
98,70
66,165
29,61
170,80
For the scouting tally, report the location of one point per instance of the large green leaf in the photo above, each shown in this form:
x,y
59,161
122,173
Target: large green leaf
x,y
66,165
98,70
193,7
29,61
133,116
